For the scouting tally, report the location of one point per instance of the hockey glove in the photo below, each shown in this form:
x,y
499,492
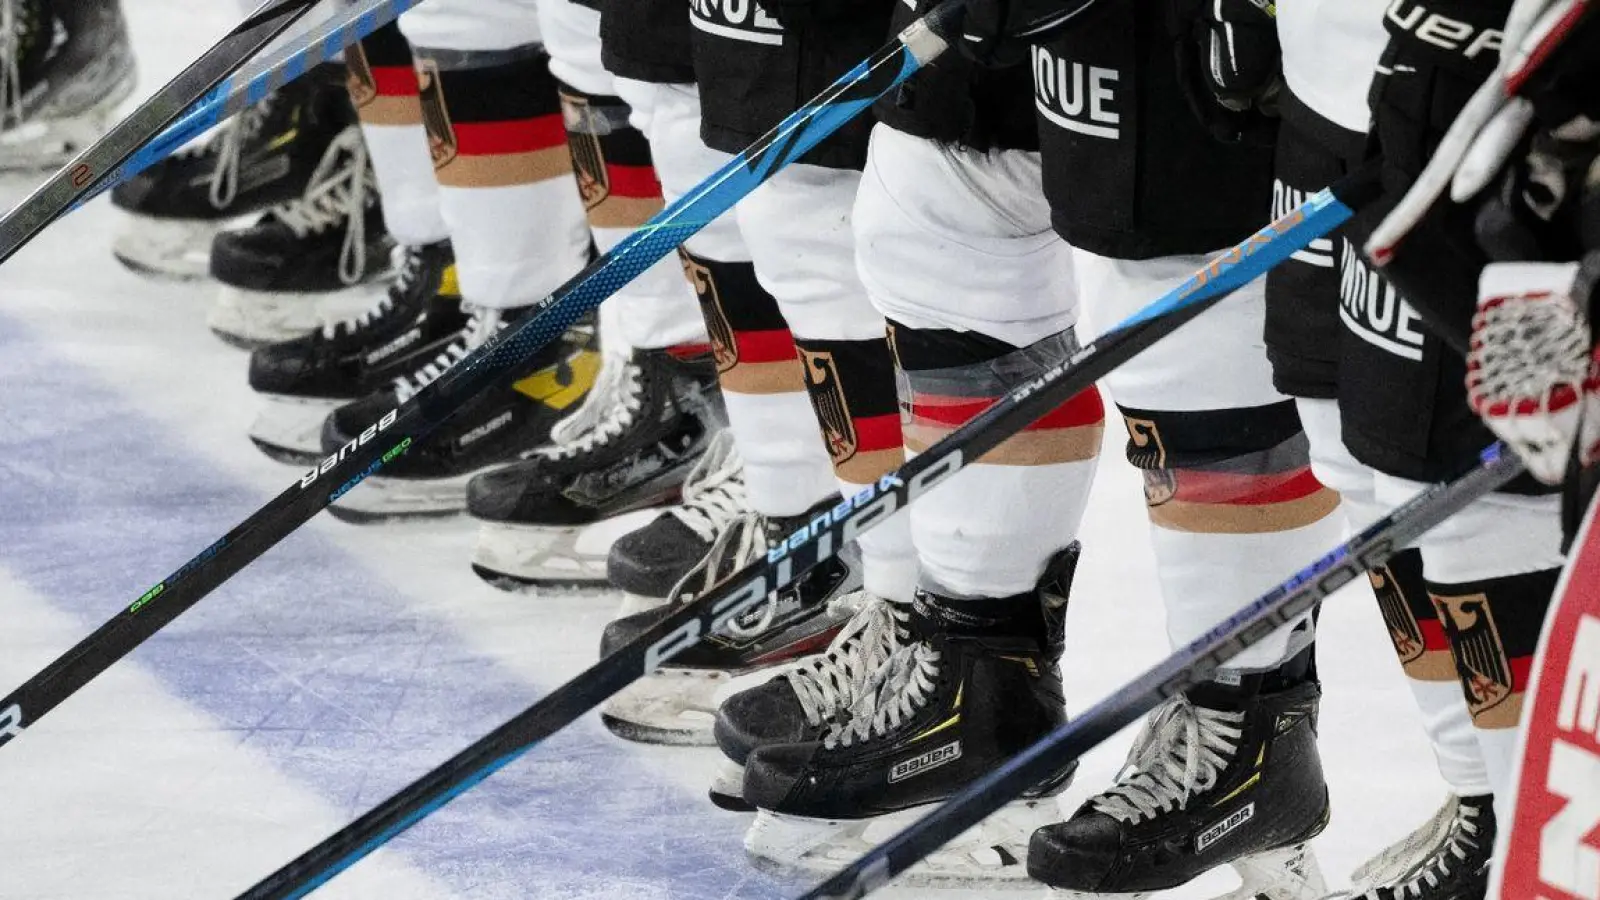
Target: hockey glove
x,y
997,33
1230,66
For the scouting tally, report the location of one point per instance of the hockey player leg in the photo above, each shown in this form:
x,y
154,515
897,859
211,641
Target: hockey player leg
x,y
65,66
303,380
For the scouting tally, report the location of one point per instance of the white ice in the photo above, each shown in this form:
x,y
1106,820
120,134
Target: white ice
x,y
350,660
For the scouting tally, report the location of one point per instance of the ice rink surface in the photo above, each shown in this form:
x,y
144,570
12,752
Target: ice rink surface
x,y
350,660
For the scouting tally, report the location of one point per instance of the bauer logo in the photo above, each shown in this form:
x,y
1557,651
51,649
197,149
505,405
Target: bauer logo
x,y
1078,97
1220,830
1372,309
933,759
1464,39
361,440
10,722
739,20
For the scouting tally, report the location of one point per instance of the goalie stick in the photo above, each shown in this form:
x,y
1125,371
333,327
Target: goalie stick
x,y
95,163
494,361
815,542
1190,665
1550,849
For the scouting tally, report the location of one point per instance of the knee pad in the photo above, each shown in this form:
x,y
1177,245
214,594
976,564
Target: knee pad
x,y
1227,471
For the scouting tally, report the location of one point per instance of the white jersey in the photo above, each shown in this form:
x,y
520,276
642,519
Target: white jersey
x,y
1330,49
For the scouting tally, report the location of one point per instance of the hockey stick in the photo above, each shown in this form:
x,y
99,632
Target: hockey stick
x,y
817,541
1189,665
94,164
492,362
250,85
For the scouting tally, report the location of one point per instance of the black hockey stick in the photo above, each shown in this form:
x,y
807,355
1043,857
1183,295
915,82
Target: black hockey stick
x,y
815,542
493,362
1190,665
81,176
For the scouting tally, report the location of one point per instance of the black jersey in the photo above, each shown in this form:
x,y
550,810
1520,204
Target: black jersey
x,y
647,40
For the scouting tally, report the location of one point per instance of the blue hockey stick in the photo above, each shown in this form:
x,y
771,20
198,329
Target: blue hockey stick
x,y
820,538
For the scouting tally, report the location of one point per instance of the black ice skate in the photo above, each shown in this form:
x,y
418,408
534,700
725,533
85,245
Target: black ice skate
x,y
647,563
1446,859
430,478
1220,776
303,380
262,157
308,261
65,66
550,518
980,682
677,703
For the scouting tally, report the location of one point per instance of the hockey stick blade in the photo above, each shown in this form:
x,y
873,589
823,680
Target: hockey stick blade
x,y
83,173
495,361
255,82
1188,666
817,541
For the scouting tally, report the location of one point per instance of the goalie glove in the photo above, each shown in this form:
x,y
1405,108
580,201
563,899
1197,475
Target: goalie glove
x,y
1532,372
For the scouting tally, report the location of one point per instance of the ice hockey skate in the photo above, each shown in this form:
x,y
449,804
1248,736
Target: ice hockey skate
x,y
979,681
647,563
1222,775
431,477
65,66
1446,858
302,381
677,703
262,157
550,519
315,258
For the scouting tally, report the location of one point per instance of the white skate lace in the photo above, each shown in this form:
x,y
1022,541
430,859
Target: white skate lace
x,y
480,326
609,410
742,541
1182,751
407,261
230,140
829,684
1399,858
1449,854
336,196
713,493
897,691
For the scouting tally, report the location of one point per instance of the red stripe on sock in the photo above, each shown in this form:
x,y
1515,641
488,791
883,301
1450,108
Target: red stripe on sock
x,y
1083,409
633,181
395,81
1196,486
689,351
878,433
774,345
511,136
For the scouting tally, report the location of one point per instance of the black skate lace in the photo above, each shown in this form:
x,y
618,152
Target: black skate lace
x,y
893,694
609,410
336,196
482,324
1182,751
408,262
228,144
828,685
713,493
1450,853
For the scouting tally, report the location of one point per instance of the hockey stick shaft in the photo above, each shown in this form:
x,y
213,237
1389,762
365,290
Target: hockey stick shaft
x,y
89,168
818,540
259,79
1190,665
496,360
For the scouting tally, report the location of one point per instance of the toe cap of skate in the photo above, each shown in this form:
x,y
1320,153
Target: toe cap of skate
x,y
1077,854
760,716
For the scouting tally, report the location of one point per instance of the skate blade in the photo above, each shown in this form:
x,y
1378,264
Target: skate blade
x,y
988,856
289,429
166,248
669,706
249,319
727,787
378,499
1287,873
513,556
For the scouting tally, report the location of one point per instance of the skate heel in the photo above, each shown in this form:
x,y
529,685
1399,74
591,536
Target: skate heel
x,y
1287,873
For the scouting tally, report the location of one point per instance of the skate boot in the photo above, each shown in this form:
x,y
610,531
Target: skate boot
x,y
1222,775
430,478
647,563
1446,859
65,66
978,682
677,703
550,518
261,158
311,260
304,380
